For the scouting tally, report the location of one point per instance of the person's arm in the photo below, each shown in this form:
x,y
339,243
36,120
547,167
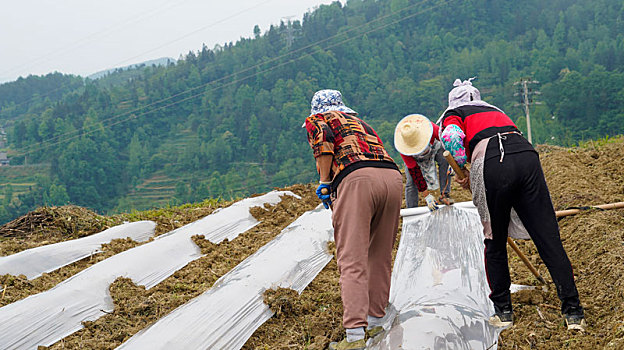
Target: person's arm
x,y
419,180
452,137
436,133
430,174
414,171
323,166
319,136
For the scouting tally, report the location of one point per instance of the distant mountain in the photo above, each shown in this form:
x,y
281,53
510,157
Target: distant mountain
x,y
163,61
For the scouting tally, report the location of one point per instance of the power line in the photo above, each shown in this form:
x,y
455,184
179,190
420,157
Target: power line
x,y
267,69
377,19
196,31
87,39
158,47
47,143
270,60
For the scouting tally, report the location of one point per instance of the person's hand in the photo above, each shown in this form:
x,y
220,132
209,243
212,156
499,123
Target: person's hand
x,y
465,182
446,200
450,171
326,203
431,203
323,191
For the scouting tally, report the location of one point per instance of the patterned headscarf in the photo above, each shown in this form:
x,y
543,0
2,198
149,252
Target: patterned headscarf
x,y
329,100
464,94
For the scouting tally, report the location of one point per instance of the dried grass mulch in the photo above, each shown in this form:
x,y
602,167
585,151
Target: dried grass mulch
x,y
49,225
593,239
137,308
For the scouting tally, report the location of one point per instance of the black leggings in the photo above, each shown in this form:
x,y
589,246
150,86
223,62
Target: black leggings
x,y
518,182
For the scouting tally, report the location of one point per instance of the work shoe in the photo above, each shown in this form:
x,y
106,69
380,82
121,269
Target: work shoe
x,y
373,332
575,320
374,335
345,345
501,318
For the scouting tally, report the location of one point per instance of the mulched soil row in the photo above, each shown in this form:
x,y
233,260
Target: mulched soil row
x,y
137,308
594,241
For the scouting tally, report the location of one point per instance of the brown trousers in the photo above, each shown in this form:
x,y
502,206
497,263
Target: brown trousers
x,y
366,218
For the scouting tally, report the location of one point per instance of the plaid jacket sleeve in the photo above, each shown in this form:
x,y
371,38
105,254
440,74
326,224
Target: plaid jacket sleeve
x,y
320,135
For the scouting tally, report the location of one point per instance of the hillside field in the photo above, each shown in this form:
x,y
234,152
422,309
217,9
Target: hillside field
x,y
587,175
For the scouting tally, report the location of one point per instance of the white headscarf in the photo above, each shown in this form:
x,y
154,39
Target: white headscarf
x,y
464,94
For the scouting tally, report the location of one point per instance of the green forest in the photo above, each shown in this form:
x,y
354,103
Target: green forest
x,y
226,121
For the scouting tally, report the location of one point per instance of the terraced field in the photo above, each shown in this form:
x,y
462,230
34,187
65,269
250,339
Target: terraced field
x,y
154,192
21,177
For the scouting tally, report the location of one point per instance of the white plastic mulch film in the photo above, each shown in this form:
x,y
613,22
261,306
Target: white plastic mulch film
x,y
439,294
33,262
47,317
226,315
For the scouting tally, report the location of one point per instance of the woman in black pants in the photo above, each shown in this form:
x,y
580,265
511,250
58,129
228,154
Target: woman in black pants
x,y
507,180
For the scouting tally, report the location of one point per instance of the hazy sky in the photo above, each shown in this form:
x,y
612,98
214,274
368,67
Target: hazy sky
x,y
86,36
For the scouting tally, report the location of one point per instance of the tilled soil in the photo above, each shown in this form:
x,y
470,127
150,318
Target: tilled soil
x,y
594,241
56,224
49,225
137,308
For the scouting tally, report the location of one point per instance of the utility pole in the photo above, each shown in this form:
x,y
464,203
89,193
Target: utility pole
x,y
527,98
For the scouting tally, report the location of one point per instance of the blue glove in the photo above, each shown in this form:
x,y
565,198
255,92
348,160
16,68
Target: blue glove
x,y
325,198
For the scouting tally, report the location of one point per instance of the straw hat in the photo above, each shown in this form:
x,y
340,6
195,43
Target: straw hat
x,y
412,135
